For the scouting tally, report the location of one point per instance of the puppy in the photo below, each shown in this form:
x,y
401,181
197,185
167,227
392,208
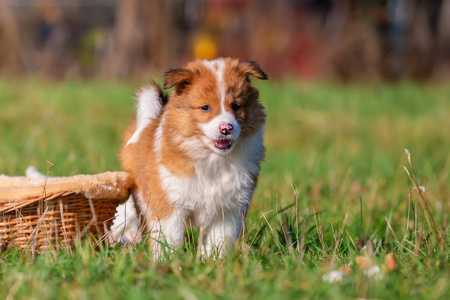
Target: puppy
x,y
195,156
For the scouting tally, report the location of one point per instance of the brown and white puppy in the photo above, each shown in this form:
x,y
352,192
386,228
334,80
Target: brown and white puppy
x,y
195,157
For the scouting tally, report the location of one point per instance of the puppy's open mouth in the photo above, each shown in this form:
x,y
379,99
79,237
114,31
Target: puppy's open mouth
x,y
223,144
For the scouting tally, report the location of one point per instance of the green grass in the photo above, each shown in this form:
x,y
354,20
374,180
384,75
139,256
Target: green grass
x,y
328,147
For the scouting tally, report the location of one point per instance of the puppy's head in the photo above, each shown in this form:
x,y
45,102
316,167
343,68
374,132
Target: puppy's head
x,y
215,102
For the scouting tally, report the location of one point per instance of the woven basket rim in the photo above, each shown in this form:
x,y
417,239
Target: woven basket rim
x,y
108,185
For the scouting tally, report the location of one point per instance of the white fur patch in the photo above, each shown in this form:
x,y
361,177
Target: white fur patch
x,y
215,184
220,64
211,129
158,139
148,107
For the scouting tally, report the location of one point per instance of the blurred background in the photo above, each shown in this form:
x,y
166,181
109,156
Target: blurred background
x,y
342,40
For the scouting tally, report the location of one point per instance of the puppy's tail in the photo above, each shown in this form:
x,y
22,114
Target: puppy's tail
x,y
150,100
32,172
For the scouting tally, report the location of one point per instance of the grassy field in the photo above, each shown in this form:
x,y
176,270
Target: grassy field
x,y
334,153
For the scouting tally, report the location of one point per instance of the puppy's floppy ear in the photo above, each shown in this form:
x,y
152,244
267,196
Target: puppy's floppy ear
x,y
249,67
178,78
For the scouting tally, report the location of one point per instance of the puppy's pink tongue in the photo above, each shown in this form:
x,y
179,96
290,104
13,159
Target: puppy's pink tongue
x,y
222,144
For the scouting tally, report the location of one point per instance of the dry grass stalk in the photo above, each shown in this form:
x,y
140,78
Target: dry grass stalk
x,y
296,216
423,202
338,242
319,231
253,226
273,233
303,237
284,228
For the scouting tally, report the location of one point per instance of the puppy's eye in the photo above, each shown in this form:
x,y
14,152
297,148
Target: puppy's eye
x,y
235,106
205,108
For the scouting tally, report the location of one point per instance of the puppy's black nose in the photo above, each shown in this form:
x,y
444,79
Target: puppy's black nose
x,y
225,128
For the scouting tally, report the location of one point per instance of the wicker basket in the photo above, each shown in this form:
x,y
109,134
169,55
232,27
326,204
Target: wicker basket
x,y
42,214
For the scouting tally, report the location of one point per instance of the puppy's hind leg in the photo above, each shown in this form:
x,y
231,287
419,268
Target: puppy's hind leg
x,y
126,226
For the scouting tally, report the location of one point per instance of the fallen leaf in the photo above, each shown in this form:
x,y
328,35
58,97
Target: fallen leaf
x,y
364,262
391,263
346,270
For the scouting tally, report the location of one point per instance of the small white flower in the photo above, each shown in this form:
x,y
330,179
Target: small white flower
x,y
374,272
421,187
333,276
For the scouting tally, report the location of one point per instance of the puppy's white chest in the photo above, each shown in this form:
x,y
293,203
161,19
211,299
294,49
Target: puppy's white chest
x,y
216,183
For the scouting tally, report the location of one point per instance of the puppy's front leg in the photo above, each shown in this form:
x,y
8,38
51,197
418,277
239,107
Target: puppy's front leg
x,y
167,234
223,232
